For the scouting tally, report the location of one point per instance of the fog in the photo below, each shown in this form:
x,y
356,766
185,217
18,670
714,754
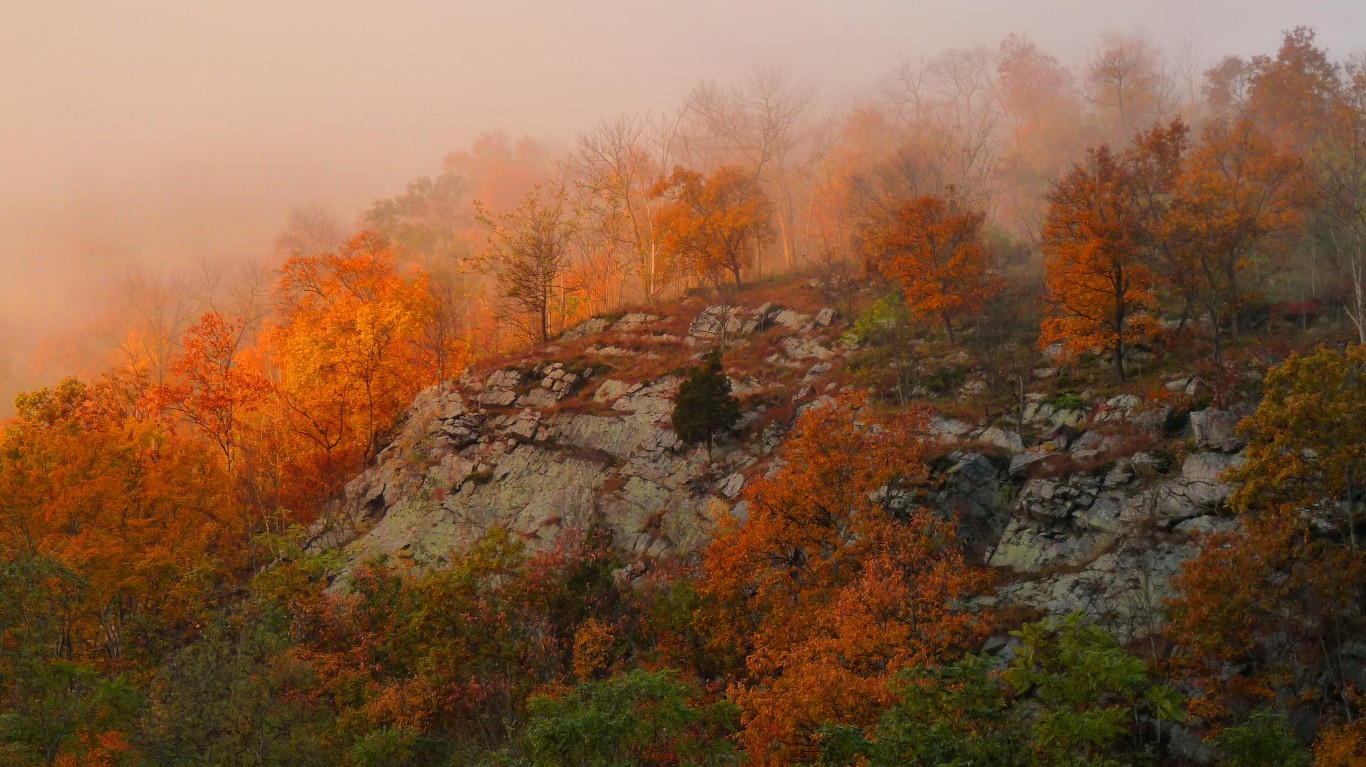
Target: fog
x,y
161,135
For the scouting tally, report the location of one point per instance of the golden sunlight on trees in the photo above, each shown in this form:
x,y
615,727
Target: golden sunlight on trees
x,y
347,346
713,225
213,387
531,249
874,567
92,482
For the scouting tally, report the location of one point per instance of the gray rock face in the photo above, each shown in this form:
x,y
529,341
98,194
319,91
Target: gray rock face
x,y
974,492
949,429
589,327
518,448
799,348
633,322
1020,463
1042,414
1118,408
1123,588
501,450
732,322
1196,492
1217,430
501,388
1006,440
454,472
1092,444
1109,543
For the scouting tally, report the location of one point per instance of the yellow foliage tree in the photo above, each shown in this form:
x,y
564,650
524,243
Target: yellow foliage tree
x,y
349,353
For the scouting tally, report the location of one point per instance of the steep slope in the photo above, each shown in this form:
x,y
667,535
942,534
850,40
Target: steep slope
x,y
579,431
1080,506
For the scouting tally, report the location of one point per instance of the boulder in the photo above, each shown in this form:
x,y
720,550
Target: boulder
x,y
1006,440
633,322
1020,462
1203,478
1216,430
973,492
1119,408
1092,444
589,327
800,348
949,429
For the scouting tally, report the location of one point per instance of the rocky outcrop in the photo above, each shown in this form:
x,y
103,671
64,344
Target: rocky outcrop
x,y
1078,505
1217,430
566,443
1109,542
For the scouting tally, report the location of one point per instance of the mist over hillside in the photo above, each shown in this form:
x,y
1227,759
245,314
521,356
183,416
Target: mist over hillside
x,y
766,384
156,137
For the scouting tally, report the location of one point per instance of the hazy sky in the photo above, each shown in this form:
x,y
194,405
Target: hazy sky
x,y
167,132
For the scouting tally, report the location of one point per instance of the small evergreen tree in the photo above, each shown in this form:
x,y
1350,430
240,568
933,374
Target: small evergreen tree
x,y
705,407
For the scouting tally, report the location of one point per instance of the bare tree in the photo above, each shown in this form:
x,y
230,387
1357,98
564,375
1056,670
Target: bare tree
x,y
615,165
1128,79
1338,175
951,109
152,311
310,230
760,123
1186,70
446,331
531,249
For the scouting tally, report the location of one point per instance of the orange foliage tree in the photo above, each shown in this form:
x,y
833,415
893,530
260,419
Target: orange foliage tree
x,y
824,591
1098,286
454,653
932,250
213,387
349,353
1234,202
145,518
713,225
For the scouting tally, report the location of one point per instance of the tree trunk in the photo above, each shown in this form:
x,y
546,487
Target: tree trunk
x,y
1217,337
1358,270
1351,502
1119,340
785,227
1230,273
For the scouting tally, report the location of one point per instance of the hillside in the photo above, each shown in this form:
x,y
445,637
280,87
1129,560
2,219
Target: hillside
x,y
1079,505
578,431
1010,413
961,548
